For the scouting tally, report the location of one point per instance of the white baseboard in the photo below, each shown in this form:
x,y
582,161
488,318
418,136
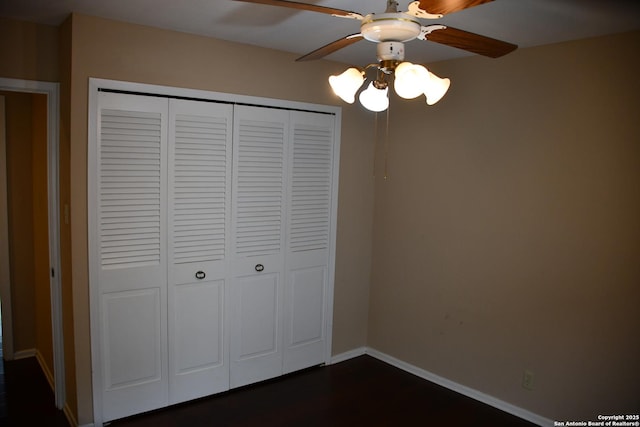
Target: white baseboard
x,y
70,417
45,369
348,355
446,383
23,354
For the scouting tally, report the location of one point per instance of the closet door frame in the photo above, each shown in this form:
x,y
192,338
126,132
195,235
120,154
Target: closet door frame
x,y
95,86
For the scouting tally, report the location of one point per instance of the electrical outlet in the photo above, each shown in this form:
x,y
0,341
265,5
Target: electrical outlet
x,y
527,380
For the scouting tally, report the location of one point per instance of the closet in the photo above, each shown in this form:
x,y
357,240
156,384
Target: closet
x,y
211,233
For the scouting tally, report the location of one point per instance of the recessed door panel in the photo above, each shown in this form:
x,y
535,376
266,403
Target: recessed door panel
x,y
258,316
307,305
305,312
197,362
256,349
133,338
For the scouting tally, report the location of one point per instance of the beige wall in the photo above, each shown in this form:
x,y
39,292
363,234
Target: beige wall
x,y
20,215
26,116
508,234
28,51
113,50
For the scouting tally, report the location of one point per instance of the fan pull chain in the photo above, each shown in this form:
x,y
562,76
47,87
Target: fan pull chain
x,y
386,147
375,143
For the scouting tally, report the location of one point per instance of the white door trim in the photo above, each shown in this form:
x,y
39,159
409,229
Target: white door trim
x,y
51,90
5,271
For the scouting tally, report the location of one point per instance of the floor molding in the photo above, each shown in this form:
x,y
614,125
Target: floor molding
x,y
462,389
446,383
45,369
361,351
70,417
24,354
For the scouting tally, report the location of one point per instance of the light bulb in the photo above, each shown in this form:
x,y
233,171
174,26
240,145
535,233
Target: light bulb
x,y
347,84
374,99
436,88
411,80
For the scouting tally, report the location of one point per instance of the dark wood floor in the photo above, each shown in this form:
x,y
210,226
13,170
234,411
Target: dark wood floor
x,y
359,392
26,399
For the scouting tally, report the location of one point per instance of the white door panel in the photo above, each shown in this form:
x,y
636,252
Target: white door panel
x,y
197,362
132,327
256,352
199,225
258,242
308,236
131,230
306,299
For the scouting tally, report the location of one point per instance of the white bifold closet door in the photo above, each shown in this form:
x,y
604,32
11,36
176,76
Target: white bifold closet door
x,y
164,189
258,244
131,243
281,233
309,196
212,245
199,222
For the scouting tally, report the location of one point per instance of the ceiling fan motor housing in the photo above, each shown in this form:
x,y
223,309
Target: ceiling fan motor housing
x,y
390,51
384,27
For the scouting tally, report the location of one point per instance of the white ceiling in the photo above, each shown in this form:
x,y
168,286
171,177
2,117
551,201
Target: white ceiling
x,y
523,22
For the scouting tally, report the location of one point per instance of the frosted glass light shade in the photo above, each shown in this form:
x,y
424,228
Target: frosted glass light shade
x,y
374,99
436,88
411,80
347,84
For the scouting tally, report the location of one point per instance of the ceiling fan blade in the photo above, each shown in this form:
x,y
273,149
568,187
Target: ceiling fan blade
x,y
331,47
482,45
443,7
306,6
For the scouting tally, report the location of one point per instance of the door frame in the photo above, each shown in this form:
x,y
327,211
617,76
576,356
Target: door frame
x,y
5,271
52,92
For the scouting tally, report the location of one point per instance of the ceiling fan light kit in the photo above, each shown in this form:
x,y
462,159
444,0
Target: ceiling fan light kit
x,y
347,84
390,30
375,98
410,80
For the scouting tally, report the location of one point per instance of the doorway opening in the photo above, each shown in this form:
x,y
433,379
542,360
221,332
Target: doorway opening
x,y
46,95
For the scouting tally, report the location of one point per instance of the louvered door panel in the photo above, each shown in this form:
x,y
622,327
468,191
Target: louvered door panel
x,y
131,235
130,188
200,135
260,153
200,184
310,199
259,187
308,236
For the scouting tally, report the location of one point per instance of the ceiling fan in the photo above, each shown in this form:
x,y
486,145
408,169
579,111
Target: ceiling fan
x,y
390,30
